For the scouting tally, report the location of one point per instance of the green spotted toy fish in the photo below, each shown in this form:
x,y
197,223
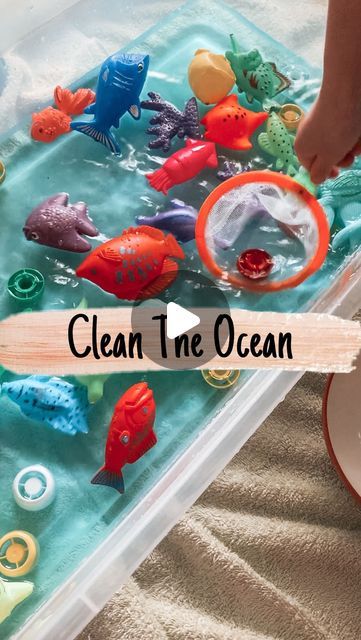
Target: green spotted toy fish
x,y
259,80
279,143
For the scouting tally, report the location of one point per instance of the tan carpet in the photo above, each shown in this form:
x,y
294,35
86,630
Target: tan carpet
x,y
272,550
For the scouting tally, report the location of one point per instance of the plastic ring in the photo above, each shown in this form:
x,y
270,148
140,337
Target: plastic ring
x,y
34,488
19,553
26,285
221,378
291,116
2,172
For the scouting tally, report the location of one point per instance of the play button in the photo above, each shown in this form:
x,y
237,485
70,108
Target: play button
x,y
179,320
174,325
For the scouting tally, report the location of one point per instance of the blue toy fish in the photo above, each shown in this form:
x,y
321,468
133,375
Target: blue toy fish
x,y
58,403
120,82
180,221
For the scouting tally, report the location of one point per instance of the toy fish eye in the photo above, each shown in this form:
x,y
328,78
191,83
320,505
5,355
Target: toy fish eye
x,y
140,67
34,235
124,437
40,129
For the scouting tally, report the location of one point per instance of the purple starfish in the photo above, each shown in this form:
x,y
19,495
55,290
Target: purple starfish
x,y
170,121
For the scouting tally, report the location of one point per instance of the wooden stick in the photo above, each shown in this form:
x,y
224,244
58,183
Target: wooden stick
x,y
38,342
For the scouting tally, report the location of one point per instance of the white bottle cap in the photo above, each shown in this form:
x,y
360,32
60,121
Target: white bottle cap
x,y
34,488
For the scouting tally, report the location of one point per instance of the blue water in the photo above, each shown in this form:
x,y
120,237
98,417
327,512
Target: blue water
x,y
116,191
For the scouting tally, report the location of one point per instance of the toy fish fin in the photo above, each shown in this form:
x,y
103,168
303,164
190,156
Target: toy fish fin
x,y
173,247
163,281
244,143
135,111
109,479
284,82
84,225
280,163
177,204
147,444
90,108
72,241
264,142
93,130
62,424
249,98
108,253
61,199
149,231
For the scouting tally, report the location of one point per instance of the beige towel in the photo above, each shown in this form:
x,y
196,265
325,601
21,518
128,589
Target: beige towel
x,y
271,551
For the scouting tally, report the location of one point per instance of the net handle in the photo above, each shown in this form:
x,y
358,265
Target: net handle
x,y
285,182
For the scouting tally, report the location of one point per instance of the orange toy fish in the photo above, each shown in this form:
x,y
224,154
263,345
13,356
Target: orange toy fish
x,y
134,266
231,125
50,123
130,434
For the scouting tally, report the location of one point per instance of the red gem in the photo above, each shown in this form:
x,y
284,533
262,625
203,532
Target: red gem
x,y
255,263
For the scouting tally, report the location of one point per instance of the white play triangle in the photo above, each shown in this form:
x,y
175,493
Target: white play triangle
x,y
179,320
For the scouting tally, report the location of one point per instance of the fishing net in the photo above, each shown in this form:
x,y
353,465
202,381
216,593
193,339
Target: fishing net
x,y
262,218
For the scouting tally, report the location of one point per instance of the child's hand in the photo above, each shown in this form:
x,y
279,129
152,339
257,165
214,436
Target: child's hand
x,y
329,138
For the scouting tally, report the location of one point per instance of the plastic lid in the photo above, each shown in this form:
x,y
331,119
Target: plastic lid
x,y
221,378
26,285
34,488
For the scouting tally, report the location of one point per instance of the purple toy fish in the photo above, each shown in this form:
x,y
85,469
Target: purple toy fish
x,y
180,221
171,121
56,223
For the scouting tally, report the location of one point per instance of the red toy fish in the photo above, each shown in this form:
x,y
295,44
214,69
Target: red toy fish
x,y
134,266
184,165
50,123
231,125
130,434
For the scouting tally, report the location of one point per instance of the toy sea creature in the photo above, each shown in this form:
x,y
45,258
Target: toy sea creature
x,y
257,79
255,264
94,385
12,594
120,82
231,125
335,193
50,123
180,220
57,403
184,165
230,169
134,266
171,121
19,553
210,76
279,144
34,488
350,236
130,434
57,223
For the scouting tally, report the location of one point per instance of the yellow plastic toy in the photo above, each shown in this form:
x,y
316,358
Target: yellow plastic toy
x,y
19,553
12,594
221,378
2,172
291,116
210,76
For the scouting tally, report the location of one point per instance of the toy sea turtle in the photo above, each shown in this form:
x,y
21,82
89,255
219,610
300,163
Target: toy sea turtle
x,y
279,143
336,193
257,79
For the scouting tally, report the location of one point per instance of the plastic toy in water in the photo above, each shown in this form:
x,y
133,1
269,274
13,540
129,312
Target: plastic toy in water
x,y
230,169
335,193
304,179
255,264
50,123
231,125
130,434
184,165
12,594
350,236
53,401
26,286
2,172
210,76
180,220
19,553
134,266
94,385
34,488
257,79
279,144
221,378
59,224
291,116
170,121
290,222
120,83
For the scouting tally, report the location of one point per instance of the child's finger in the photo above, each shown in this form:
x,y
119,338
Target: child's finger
x,y
320,170
347,161
334,172
357,149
